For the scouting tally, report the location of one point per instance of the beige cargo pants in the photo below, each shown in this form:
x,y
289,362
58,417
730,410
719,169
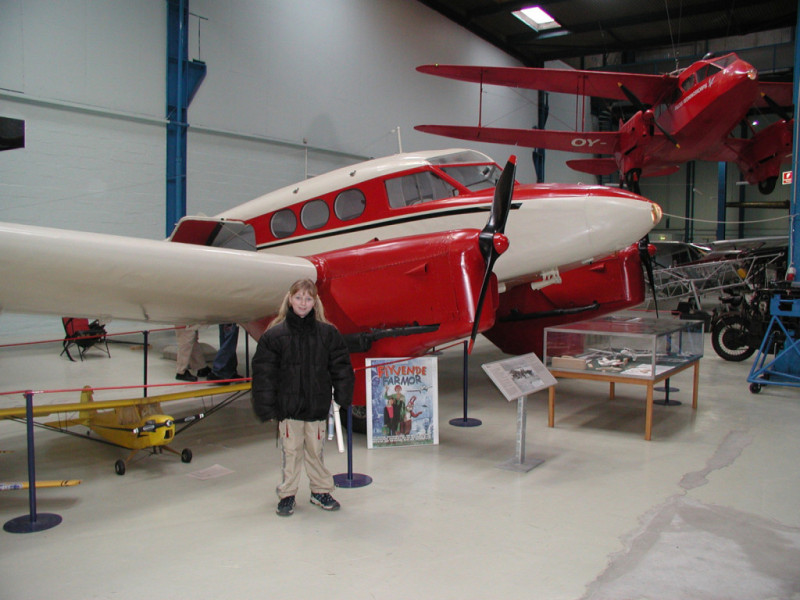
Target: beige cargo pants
x,y
302,441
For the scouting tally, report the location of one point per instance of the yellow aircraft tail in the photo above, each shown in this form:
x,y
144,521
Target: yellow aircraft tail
x,y
87,395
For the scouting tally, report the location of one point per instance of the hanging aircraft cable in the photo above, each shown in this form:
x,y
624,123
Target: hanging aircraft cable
x,y
492,239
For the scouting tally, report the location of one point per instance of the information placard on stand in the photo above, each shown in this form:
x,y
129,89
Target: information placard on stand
x,y
516,378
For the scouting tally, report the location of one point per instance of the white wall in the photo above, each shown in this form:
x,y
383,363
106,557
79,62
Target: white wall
x,y
335,77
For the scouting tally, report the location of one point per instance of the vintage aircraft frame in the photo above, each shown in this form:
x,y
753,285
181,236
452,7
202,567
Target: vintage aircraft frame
x,y
405,250
134,424
685,115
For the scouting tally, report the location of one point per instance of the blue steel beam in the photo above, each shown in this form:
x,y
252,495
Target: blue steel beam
x,y
794,209
722,196
183,80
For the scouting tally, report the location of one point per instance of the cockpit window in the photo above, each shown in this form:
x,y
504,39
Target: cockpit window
x,y
475,177
688,83
459,157
725,61
416,188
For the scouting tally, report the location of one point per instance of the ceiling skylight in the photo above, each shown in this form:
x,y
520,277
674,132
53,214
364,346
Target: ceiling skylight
x,y
535,18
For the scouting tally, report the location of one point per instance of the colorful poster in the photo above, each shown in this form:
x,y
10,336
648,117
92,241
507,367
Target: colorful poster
x,y
402,402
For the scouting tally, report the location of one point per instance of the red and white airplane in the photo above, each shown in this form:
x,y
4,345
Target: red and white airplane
x,y
402,248
681,116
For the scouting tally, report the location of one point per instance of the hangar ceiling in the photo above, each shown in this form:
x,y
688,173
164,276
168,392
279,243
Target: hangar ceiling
x,y
593,27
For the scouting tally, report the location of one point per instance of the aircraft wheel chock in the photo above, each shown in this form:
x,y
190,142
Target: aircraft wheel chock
x,y
119,467
186,455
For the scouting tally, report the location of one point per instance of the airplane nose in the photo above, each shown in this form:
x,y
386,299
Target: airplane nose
x,y
656,213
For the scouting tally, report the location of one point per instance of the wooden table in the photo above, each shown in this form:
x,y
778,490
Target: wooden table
x,y
614,378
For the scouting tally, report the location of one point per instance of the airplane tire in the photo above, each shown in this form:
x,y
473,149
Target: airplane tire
x,y
119,467
729,339
755,388
186,455
768,185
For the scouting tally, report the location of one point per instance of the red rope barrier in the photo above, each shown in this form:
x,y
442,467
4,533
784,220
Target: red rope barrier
x,y
86,337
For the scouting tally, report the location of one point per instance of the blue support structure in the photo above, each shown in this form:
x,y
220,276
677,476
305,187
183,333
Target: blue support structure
x,y
722,197
183,79
783,334
794,211
539,153
783,341
688,234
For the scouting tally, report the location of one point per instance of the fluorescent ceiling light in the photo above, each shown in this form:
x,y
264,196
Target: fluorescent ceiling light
x,y
535,18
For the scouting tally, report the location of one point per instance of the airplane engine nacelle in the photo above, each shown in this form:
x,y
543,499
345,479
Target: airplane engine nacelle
x,y
406,294
768,149
607,285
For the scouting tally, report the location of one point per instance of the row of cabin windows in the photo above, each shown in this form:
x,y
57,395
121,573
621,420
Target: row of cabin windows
x,y
407,190
315,213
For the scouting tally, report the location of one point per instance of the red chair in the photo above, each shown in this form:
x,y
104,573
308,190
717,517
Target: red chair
x,y
83,335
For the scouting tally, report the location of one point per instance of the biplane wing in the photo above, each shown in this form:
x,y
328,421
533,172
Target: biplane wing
x,y
594,142
778,91
649,88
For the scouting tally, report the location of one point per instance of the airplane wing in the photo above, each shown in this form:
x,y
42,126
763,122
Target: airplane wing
x,y
779,92
594,142
42,410
103,276
650,89
594,166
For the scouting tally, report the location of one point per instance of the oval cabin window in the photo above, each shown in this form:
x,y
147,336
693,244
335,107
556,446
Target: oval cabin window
x,y
283,223
349,204
314,214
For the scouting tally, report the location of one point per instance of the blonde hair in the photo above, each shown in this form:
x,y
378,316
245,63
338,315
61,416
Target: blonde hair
x,y
301,285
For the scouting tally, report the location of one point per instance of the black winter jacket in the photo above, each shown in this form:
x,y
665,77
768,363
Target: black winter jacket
x,y
296,364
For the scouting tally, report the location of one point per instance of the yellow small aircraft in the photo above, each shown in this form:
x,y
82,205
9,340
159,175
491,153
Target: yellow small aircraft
x,y
132,423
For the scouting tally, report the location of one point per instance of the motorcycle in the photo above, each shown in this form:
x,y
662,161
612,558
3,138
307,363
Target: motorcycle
x,y
738,329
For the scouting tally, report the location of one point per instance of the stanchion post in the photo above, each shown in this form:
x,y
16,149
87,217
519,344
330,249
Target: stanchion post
x,y
465,421
350,479
31,522
246,354
146,335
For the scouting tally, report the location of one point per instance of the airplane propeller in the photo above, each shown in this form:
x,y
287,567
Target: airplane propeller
x,y
492,240
777,108
639,105
647,261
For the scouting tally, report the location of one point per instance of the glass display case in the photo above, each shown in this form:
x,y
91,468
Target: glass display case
x,y
625,345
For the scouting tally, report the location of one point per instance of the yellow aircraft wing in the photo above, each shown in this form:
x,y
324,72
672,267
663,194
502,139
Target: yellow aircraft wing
x,y
19,412
7,486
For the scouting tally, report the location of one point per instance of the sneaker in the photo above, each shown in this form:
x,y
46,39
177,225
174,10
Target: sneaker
x,y
185,376
286,506
325,501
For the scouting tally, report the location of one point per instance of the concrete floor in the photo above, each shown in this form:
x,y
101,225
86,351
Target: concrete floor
x,y
709,509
